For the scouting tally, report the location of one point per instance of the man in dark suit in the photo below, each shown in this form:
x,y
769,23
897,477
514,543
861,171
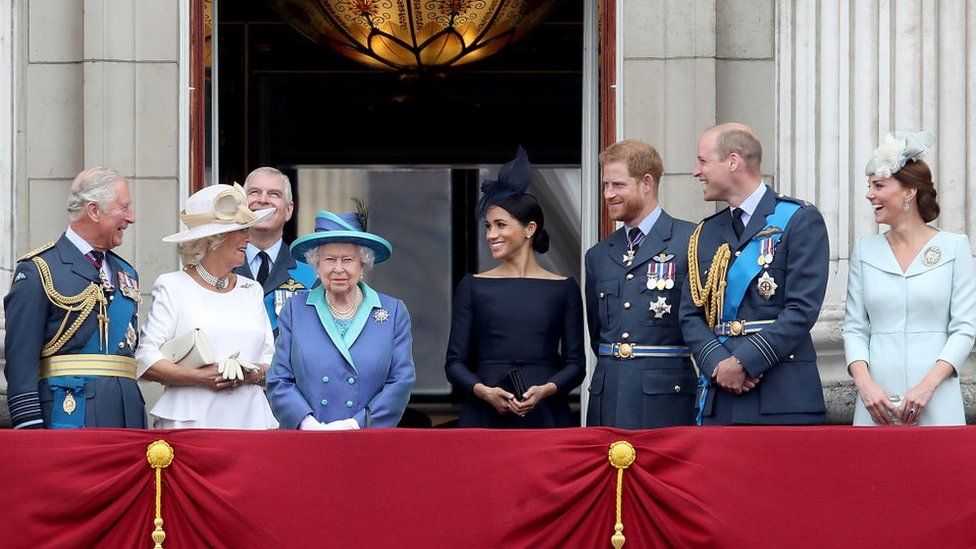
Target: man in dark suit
x,y
756,281
269,259
643,377
71,325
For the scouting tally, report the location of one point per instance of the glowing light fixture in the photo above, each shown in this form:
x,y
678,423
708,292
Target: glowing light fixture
x,y
413,35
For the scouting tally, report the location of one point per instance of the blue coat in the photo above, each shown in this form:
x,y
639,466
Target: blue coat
x,y
638,393
790,391
286,279
32,321
316,371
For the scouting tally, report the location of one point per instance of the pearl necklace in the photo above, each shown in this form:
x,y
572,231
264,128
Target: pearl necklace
x,y
348,312
219,283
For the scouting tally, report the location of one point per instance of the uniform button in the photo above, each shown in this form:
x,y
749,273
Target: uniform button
x,y
791,357
348,404
111,297
738,253
121,345
624,335
630,276
601,295
325,379
626,305
677,388
325,402
352,381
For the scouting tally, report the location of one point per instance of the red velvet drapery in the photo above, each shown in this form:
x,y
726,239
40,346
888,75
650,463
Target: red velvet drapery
x,y
705,487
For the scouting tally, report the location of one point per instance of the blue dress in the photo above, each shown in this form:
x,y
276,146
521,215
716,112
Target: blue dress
x,y
533,325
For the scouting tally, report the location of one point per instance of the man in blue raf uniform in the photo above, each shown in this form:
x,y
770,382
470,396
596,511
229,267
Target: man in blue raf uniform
x,y
643,377
757,273
71,318
268,258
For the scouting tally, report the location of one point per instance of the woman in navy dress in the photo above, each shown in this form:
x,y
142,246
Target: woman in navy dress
x,y
517,316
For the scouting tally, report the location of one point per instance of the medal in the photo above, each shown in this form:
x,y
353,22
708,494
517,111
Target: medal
x,y
660,307
69,404
766,286
651,283
766,248
629,257
130,337
661,284
669,284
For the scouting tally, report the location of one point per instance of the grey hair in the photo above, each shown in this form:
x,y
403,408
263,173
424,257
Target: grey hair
x,y
192,252
267,170
92,185
366,254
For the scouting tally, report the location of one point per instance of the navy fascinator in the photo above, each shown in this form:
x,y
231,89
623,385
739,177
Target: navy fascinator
x,y
513,179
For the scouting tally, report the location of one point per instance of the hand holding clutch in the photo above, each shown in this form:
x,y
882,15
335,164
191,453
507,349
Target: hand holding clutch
x,y
191,349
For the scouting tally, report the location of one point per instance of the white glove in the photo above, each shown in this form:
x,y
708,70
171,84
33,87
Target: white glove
x,y
342,425
309,423
230,368
249,366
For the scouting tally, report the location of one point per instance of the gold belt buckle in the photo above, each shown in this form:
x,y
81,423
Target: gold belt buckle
x,y
736,328
625,350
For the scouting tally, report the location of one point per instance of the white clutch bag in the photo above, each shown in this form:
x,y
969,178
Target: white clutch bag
x,y
191,349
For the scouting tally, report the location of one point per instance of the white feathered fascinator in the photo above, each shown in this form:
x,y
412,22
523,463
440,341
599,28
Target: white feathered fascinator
x,y
896,150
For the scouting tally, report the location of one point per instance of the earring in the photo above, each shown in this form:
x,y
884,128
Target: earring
x,y
905,207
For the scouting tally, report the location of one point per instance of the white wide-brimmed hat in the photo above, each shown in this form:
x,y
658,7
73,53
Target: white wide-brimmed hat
x,y
216,209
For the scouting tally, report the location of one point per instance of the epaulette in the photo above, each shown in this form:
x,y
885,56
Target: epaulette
x,y
723,210
36,251
781,196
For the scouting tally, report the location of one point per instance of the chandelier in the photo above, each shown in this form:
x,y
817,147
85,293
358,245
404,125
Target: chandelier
x,y
413,35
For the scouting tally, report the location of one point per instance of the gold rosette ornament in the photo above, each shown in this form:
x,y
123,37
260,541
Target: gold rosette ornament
x,y
160,455
622,454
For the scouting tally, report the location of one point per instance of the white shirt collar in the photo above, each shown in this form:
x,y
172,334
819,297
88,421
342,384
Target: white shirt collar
x,y
252,256
750,204
83,246
648,222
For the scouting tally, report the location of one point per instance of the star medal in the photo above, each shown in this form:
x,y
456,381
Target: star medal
x,y
629,257
660,307
130,337
766,286
69,403
381,315
932,256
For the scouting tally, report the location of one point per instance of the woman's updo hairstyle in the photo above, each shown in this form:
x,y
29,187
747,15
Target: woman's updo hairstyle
x,y
508,193
526,209
917,175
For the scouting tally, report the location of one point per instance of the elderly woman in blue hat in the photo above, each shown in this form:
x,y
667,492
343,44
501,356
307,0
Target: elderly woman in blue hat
x,y
343,358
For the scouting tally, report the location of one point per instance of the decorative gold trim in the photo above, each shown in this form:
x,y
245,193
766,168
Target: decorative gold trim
x,y
88,365
83,304
710,297
160,455
621,455
36,251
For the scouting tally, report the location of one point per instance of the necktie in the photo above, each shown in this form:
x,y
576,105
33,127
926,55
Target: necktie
x,y
96,257
636,236
737,224
264,268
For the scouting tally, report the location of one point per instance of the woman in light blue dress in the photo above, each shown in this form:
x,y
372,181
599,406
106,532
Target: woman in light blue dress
x,y
911,298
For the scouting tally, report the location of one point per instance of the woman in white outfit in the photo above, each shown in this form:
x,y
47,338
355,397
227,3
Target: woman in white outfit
x,y
911,298
227,308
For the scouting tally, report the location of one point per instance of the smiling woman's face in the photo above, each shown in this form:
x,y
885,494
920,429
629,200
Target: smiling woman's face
x,y
887,195
233,250
340,267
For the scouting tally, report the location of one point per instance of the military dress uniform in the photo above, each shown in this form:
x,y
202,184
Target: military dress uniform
x,y
286,278
644,377
71,333
756,297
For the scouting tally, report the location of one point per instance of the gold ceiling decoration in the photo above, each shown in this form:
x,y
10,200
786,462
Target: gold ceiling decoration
x,y
412,35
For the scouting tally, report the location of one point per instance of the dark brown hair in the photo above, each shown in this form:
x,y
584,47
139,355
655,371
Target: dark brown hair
x,y
917,175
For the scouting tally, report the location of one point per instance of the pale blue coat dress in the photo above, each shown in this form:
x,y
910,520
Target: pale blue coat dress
x,y
901,323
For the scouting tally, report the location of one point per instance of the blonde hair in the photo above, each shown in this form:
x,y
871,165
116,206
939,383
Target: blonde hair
x,y
193,251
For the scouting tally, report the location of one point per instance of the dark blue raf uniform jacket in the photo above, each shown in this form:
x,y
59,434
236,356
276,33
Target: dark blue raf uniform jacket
x,y
638,393
790,391
32,321
286,279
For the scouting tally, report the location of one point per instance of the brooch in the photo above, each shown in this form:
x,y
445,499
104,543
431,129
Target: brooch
x,y
932,255
381,315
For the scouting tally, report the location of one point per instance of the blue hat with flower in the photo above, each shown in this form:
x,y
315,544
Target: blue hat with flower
x,y
346,227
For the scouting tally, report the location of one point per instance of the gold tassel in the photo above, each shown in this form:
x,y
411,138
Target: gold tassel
x,y
160,455
622,454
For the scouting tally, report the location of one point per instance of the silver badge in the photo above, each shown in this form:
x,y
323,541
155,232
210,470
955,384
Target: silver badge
x,y
766,286
932,256
660,307
130,337
381,315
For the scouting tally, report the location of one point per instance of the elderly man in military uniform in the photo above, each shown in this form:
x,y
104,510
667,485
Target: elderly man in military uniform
x,y
268,258
644,377
757,274
71,318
